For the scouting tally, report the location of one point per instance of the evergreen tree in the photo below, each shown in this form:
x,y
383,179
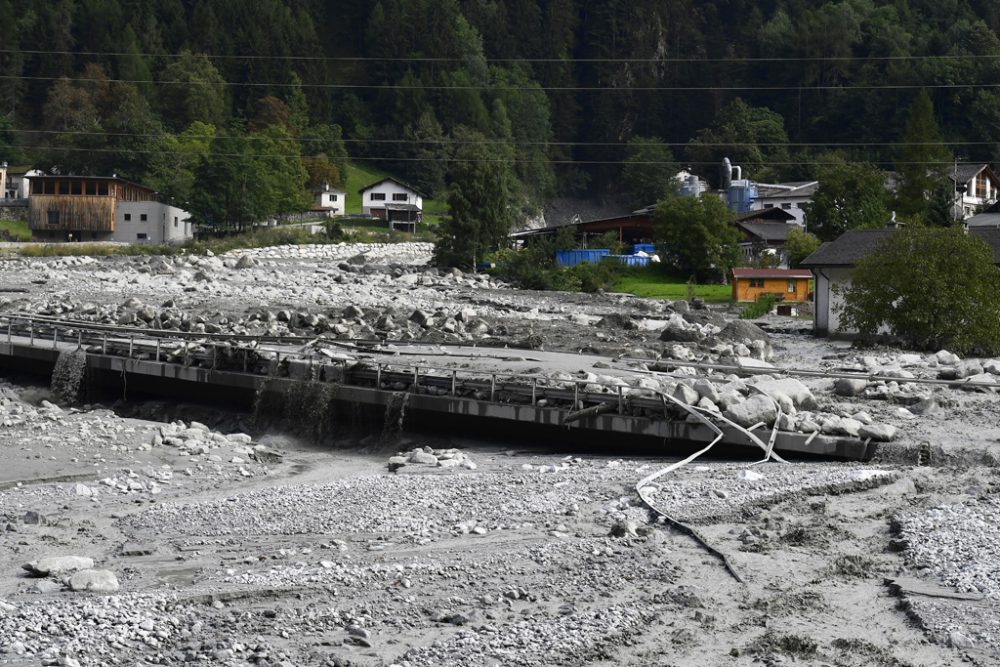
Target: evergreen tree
x,y
924,161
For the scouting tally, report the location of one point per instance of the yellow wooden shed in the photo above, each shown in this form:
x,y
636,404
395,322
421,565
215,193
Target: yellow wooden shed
x,y
788,285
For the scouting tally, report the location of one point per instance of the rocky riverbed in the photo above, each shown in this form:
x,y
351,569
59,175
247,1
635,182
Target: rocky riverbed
x,y
170,534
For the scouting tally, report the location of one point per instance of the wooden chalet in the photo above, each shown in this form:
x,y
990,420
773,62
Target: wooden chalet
x,y
79,208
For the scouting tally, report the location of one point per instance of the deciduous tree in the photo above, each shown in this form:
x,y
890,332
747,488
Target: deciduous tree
x,y
932,287
697,235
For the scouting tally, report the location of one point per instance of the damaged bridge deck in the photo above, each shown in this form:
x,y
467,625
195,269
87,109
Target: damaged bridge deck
x,y
473,390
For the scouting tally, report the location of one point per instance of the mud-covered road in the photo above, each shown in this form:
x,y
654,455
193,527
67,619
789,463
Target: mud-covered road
x,y
206,541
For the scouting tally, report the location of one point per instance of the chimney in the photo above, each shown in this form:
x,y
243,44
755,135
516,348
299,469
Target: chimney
x,y
892,224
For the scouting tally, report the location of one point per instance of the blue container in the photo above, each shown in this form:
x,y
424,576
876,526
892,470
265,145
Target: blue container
x,y
630,260
574,257
644,247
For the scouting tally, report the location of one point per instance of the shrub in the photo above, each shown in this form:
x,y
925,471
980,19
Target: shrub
x,y
759,308
932,288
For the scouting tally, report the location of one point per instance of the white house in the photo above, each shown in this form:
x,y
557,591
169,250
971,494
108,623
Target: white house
x,y
791,197
399,204
14,181
151,222
978,186
833,263
330,201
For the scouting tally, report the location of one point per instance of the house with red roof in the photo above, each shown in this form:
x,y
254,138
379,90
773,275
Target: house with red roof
x,y
787,285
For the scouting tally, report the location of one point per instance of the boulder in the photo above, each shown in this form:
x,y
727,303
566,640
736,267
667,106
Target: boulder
x,y
849,386
947,358
706,389
686,394
753,410
422,457
58,565
802,398
992,366
742,331
676,332
95,581
247,262
879,432
353,312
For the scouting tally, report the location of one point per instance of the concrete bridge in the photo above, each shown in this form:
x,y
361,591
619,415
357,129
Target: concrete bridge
x,y
322,385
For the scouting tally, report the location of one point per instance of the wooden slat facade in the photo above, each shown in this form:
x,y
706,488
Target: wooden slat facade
x,y
79,203
71,212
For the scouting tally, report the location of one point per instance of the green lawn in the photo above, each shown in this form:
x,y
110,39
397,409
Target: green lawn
x,y
655,285
16,228
361,174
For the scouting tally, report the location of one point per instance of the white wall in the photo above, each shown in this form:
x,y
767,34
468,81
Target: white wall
x,y
795,205
389,188
335,200
163,223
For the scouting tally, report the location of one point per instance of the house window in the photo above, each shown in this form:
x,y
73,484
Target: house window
x,y
399,196
756,282
76,187
791,286
378,196
91,188
102,189
53,217
175,221
142,217
142,236
128,217
768,205
333,197
786,206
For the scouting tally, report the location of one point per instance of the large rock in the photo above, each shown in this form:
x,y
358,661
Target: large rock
x,y
58,565
95,581
802,398
742,331
879,432
947,358
677,332
753,410
246,262
686,394
849,386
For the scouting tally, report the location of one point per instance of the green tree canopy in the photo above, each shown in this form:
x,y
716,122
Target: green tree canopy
x,y
648,172
850,196
933,288
480,203
194,90
799,244
751,137
697,235
924,161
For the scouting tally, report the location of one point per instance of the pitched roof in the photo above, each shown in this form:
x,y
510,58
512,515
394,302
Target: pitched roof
x,y
984,221
785,190
775,214
394,180
966,172
744,272
768,231
855,245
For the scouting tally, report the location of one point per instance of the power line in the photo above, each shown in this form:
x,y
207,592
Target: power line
x,y
593,89
512,160
422,59
503,142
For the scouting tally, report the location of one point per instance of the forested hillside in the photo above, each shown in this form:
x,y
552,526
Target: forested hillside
x,y
257,99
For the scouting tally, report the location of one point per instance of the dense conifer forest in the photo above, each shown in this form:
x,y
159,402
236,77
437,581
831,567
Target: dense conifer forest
x,y
201,97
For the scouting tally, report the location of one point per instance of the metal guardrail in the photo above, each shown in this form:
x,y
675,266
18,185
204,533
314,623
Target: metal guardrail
x,y
126,342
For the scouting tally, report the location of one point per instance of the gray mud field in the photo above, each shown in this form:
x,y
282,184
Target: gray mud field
x,y
173,533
